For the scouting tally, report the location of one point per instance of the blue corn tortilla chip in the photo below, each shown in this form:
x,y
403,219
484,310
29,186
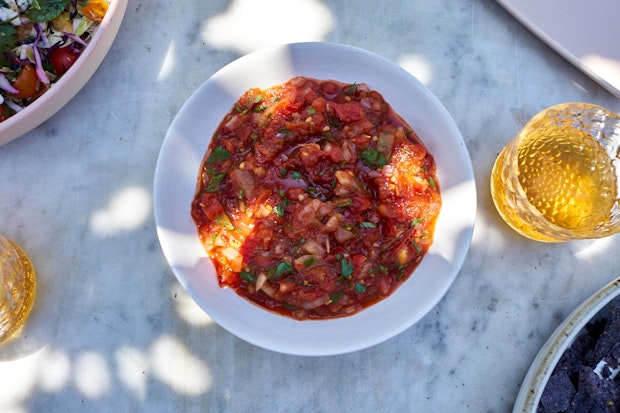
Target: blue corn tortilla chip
x,y
574,385
595,395
558,393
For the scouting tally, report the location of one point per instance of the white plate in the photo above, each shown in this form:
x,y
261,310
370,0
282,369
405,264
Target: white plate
x,y
71,82
185,145
561,339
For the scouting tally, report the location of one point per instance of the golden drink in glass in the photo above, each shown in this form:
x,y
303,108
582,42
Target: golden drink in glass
x,y
558,179
17,287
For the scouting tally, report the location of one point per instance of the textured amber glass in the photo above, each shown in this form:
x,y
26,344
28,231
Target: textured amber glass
x,y
558,179
17,287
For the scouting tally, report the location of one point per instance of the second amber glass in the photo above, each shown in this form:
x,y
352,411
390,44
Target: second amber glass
x,y
558,179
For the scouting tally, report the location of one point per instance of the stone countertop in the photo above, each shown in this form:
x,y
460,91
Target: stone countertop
x,y
112,329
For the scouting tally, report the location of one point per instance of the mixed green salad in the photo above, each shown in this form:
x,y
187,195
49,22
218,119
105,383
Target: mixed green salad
x,y
40,40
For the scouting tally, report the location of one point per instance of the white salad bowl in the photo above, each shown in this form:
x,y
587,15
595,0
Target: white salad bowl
x,y
62,91
175,183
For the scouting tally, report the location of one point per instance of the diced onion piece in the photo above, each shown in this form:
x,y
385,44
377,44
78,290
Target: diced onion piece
x,y
347,150
263,210
235,259
260,281
245,181
306,261
300,314
313,247
348,181
218,241
332,223
311,305
269,290
385,143
343,235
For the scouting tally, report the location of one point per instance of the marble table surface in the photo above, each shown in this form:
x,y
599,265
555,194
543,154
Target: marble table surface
x,y
112,329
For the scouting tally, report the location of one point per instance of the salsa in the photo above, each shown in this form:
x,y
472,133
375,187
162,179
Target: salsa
x,y
315,199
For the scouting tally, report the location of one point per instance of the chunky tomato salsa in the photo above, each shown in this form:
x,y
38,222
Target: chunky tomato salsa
x,y
315,199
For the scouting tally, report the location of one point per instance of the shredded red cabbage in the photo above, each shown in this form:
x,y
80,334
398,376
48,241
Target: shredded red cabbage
x,y
37,56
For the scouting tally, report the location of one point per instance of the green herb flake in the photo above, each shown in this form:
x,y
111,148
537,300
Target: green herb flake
x,y
214,237
373,158
346,268
432,183
416,221
295,175
367,224
335,297
246,276
259,108
283,268
416,247
219,154
359,288
311,111
215,180
309,262
240,109
344,202
279,209
352,88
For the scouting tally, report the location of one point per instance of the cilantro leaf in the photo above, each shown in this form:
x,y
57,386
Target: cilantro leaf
x,y
335,296
280,209
373,158
215,180
219,154
283,268
247,277
346,268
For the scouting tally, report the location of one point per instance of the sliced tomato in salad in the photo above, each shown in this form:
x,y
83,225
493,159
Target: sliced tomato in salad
x,y
63,58
27,83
